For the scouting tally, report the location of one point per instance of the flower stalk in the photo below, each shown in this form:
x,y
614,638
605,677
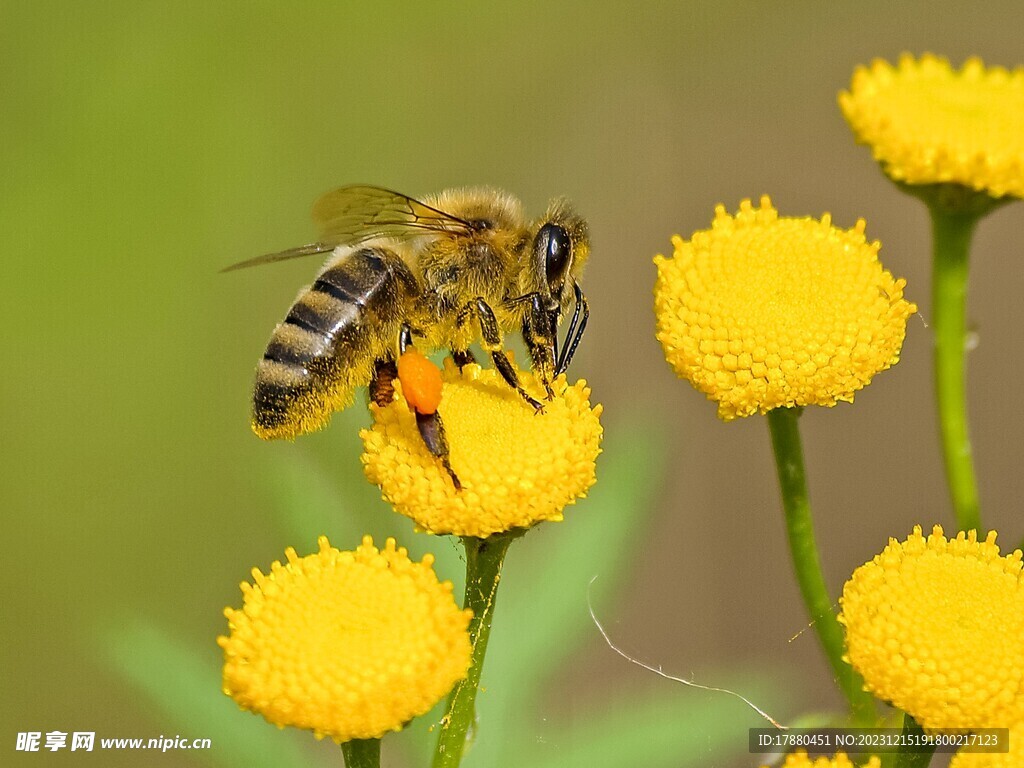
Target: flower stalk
x,y
484,558
915,756
789,462
361,753
955,212
952,234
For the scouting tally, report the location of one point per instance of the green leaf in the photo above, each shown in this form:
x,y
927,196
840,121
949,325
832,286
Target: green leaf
x,y
675,727
312,501
187,690
309,503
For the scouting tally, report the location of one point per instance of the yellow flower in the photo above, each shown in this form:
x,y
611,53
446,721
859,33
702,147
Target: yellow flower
x,y
928,124
517,467
1013,758
936,627
762,311
348,644
800,759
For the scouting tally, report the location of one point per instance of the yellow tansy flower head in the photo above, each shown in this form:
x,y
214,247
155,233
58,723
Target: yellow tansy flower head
x,y
929,124
936,627
517,467
1012,758
762,311
348,644
800,759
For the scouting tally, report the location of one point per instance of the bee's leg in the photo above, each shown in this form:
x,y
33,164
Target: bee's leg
x,y
577,326
430,426
432,431
404,338
382,388
553,324
540,333
462,357
382,385
540,338
491,335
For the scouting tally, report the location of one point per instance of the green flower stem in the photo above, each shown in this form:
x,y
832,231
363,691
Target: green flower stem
x,y
789,462
918,757
951,233
484,558
361,753
955,212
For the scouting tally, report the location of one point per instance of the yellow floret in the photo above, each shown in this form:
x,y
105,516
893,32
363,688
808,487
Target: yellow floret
x,y
800,759
936,627
517,467
350,645
762,311
1013,758
929,124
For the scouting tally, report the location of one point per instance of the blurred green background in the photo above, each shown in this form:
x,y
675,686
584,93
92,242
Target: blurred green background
x,y
143,146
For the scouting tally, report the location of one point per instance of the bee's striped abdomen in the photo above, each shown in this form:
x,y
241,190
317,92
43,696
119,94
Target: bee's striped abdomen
x,y
328,342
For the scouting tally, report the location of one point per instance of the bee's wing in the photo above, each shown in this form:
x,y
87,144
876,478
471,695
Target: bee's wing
x,y
356,213
291,253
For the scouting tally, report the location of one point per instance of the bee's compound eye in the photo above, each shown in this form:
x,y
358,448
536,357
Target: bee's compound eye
x,y
554,242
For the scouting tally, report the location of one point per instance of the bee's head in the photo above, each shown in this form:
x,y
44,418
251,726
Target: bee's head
x,y
560,249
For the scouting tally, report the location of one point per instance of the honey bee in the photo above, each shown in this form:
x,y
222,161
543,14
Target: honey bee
x,y
460,266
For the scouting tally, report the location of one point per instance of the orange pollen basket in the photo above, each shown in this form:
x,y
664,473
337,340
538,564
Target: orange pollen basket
x,y
421,381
